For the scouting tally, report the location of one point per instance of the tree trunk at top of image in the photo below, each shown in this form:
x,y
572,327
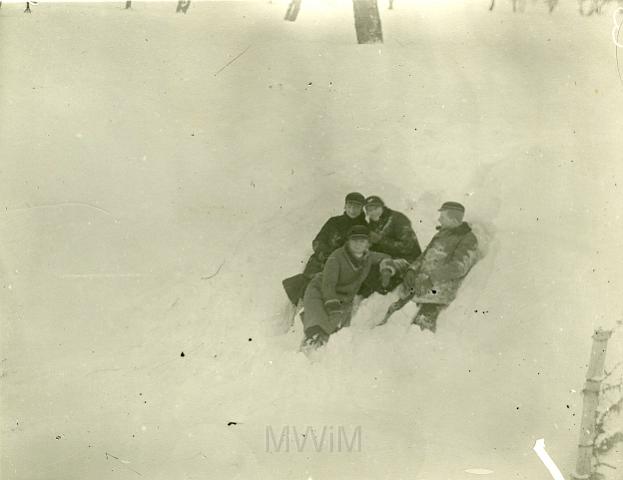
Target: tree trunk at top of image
x,y
182,6
128,4
293,10
367,21
551,5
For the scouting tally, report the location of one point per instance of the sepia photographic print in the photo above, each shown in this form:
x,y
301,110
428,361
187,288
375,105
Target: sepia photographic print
x,y
311,240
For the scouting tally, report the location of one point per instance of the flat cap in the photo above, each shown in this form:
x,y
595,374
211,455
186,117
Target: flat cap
x,y
358,231
374,200
453,206
355,197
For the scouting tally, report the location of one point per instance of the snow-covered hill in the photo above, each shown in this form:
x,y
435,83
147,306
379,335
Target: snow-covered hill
x,y
151,204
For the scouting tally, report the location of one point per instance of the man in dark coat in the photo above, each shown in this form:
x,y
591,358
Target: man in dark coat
x,y
332,235
329,297
434,279
390,233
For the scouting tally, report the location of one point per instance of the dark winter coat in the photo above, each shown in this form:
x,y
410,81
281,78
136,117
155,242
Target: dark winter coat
x,y
338,284
397,236
449,256
332,235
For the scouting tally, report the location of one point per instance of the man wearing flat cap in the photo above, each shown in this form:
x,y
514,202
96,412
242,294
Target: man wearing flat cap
x,y
433,280
332,235
328,300
391,233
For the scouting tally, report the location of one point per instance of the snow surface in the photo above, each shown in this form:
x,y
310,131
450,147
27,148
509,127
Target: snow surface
x,y
152,203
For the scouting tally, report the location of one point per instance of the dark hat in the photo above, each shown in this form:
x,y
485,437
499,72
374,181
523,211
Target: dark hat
x,y
358,231
355,197
453,206
374,200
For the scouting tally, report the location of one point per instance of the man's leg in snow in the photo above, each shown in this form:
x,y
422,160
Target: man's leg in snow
x,y
295,287
317,324
313,266
316,336
426,317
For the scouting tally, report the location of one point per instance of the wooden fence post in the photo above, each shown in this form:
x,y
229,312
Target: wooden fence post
x,y
592,387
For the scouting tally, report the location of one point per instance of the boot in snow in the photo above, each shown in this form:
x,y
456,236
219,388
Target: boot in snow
x,y
426,317
315,337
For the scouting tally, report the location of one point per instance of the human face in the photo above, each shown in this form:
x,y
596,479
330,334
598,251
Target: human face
x,y
374,212
352,209
446,220
358,245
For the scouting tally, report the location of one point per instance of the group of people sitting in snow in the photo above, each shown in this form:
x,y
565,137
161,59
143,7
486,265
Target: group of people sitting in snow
x,y
355,256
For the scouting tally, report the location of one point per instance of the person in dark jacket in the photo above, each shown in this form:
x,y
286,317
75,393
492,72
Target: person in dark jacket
x,y
332,235
434,279
390,233
329,297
